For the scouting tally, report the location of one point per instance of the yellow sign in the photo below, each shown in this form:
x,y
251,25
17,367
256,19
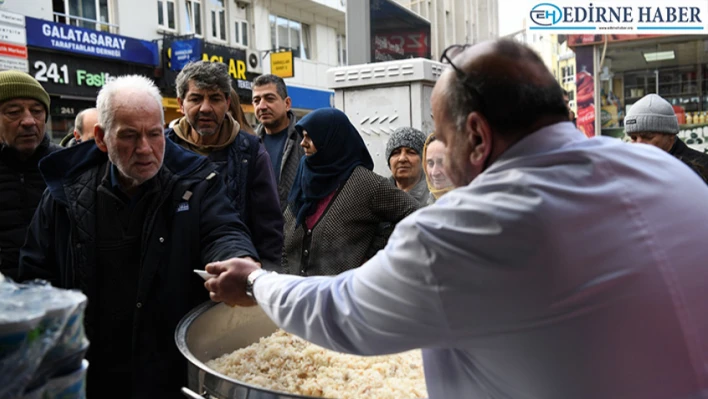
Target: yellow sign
x,y
237,68
248,108
170,102
281,64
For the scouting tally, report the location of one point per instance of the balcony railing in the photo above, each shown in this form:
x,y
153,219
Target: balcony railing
x,y
85,23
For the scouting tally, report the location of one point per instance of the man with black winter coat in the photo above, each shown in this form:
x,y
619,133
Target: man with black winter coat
x,y
652,120
127,230
277,130
204,96
24,109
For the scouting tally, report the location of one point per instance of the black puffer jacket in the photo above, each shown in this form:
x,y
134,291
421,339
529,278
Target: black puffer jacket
x,y
695,160
192,224
21,187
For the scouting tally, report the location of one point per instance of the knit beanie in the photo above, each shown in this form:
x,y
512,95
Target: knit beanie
x,y
651,114
16,84
405,137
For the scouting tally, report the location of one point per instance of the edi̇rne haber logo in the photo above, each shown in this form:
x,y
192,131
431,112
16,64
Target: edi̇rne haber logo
x,y
610,17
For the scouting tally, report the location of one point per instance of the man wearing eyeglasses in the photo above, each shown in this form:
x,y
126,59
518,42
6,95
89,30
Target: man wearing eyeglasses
x,y
24,109
555,270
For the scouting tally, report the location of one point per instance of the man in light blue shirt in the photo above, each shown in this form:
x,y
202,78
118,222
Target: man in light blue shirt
x,y
558,269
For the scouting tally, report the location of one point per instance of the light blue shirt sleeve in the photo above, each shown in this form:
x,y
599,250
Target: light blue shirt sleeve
x,y
388,305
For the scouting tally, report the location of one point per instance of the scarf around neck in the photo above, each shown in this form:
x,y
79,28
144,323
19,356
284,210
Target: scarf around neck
x,y
227,134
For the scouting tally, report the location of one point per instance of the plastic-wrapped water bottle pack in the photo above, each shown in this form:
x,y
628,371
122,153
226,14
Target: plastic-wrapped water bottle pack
x,y
42,341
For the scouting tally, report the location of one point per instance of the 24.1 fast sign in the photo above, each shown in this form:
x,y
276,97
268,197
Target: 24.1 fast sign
x,y
59,74
64,74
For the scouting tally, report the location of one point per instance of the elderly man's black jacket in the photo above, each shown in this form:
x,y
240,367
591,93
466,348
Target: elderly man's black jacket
x,y
182,232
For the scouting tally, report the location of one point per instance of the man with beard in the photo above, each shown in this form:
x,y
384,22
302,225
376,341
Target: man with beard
x,y
277,130
128,229
554,271
652,120
204,96
24,109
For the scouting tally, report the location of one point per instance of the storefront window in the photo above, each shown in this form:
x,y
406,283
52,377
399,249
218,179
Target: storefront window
x,y
674,67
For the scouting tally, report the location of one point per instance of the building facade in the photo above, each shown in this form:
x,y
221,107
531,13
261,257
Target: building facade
x,y
73,48
457,21
241,34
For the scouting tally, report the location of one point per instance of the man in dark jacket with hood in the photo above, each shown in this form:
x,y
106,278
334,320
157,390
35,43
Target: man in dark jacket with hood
x,y
652,120
277,130
127,230
24,109
204,95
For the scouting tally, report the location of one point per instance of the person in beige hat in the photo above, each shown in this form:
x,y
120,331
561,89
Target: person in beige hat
x,y
24,108
652,120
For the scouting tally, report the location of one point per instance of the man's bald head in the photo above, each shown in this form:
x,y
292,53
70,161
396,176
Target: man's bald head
x,y
506,82
84,124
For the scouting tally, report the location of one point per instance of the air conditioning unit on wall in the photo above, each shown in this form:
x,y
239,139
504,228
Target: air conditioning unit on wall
x,y
253,62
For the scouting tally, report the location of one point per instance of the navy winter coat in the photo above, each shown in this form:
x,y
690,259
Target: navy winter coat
x,y
181,234
250,184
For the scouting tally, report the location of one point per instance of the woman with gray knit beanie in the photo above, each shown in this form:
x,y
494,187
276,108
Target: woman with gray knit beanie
x,y
404,153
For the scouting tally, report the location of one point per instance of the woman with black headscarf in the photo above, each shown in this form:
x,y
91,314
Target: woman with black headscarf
x,y
336,202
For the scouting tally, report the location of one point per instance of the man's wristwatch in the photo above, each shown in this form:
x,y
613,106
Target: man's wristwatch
x,y
251,279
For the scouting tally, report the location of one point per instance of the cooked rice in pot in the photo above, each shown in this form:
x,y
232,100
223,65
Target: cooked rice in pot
x,y
286,363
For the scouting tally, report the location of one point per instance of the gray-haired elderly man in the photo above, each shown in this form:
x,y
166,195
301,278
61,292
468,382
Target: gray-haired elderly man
x,y
203,94
652,120
127,229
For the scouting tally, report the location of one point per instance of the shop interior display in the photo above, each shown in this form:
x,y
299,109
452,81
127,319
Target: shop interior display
x,y
628,73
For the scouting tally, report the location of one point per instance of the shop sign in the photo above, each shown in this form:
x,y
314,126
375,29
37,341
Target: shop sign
x,y
170,102
12,50
281,64
613,17
73,39
400,45
65,74
183,52
588,40
12,34
234,58
397,33
13,63
585,82
10,18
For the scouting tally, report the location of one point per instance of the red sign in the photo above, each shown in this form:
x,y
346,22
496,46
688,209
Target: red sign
x,y
400,45
13,50
587,40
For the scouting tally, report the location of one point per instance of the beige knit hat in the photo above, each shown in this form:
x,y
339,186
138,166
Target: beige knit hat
x,y
16,84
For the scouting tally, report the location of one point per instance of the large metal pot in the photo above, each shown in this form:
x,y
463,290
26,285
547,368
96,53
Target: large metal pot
x,y
211,330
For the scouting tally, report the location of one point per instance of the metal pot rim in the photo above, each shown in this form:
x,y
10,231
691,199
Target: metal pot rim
x,y
181,341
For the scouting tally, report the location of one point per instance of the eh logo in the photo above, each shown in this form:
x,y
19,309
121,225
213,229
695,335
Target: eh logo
x,y
546,14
